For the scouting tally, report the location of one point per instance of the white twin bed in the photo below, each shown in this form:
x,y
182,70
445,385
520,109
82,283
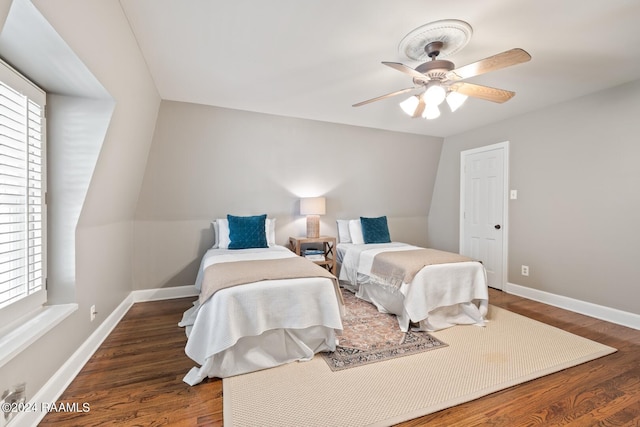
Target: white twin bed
x,y
439,295
259,325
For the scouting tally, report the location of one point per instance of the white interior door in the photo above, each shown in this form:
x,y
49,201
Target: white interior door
x,y
483,209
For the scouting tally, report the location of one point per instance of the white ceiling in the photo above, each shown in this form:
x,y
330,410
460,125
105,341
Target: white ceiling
x,y
313,59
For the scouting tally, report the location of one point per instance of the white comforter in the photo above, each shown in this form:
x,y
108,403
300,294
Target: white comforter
x,y
259,325
439,296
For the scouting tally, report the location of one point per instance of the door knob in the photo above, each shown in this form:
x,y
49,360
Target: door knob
x,y
497,226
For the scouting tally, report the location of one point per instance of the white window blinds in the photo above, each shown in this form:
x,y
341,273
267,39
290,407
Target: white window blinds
x,y
21,196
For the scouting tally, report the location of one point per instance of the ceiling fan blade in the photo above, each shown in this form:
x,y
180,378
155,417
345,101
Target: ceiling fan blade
x,y
483,92
406,69
389,95
420,108
492,63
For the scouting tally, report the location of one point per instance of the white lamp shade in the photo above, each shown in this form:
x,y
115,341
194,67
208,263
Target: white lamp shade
x,y
312,206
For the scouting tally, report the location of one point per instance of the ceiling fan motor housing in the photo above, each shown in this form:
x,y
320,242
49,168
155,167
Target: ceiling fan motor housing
x,y
436,69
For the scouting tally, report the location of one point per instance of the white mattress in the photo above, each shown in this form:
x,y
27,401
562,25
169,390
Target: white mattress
x,y
439,296
259,325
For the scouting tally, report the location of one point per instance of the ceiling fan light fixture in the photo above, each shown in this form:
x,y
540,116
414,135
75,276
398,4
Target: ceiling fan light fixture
x,y
410,104
431,112
455,100
440,79
434,95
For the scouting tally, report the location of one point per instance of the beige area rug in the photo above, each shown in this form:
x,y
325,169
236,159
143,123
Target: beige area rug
x,y
510,350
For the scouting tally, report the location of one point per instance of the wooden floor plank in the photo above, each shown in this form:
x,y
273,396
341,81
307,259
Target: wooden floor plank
x,y
135,378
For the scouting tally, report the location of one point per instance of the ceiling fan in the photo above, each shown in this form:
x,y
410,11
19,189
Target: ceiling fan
x,y
439,79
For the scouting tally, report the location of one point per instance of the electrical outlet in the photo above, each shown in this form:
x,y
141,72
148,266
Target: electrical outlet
x,y
93,313
525,270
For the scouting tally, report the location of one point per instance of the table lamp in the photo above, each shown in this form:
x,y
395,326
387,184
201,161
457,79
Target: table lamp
x,y
313,207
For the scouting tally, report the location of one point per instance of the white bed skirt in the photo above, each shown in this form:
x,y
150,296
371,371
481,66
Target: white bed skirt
x,y
391,300
272,348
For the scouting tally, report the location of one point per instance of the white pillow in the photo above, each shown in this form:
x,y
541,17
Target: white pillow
x,y
270,229
344,236
223,235
221,230
355,229
216,233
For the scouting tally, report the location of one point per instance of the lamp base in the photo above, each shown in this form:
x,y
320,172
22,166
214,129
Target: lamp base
x,y
313,226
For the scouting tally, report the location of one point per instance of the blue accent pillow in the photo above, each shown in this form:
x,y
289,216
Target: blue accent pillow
x,y
247,232
375,230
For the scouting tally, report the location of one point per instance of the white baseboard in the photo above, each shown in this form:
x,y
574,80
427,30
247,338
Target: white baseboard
x,y
51,391
164,293
612,315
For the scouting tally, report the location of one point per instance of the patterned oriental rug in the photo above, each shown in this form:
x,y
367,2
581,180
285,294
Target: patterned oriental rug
x,y
370,336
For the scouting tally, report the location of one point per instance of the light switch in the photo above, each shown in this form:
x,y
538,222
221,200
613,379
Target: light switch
x,y
513,195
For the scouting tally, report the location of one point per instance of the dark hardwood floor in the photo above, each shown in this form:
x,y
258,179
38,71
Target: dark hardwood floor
x,y
135,379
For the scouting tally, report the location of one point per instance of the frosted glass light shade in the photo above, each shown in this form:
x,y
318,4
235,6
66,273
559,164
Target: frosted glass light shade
x,y
431,112
410,104
434,95
455,100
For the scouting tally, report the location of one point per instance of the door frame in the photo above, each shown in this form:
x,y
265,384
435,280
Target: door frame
x,y
505,205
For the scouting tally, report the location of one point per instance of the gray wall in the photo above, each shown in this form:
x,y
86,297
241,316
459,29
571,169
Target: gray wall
x,y
206,162
575,222
98,149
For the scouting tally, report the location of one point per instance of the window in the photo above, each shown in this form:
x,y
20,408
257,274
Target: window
x,y
22,194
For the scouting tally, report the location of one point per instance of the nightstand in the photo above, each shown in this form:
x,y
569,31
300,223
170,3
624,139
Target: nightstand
x,y
328,248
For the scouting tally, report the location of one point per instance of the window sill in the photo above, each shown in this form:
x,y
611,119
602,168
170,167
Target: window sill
x,y
16,340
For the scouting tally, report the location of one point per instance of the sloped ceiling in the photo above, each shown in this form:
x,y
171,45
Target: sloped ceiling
x,y
313,59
